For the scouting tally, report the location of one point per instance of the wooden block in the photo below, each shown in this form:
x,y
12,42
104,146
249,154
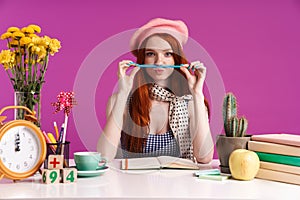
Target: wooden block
x,y
50,176
55,161
69,175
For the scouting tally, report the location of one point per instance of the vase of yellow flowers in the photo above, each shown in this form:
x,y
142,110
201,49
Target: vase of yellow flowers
x,y
26,61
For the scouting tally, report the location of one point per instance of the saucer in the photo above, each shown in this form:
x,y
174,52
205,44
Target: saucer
x,y
92,173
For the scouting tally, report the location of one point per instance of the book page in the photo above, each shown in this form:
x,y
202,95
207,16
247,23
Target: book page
x,y
174,162
140,163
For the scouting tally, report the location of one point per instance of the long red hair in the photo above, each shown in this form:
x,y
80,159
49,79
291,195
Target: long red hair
x,y
137,118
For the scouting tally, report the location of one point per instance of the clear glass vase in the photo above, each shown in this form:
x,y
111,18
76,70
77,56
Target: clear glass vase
x,y
31,100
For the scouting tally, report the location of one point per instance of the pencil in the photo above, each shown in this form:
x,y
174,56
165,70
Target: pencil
x,y
48,141
56,131
51,137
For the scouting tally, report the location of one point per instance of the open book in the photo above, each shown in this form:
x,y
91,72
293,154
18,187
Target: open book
x,y
158,163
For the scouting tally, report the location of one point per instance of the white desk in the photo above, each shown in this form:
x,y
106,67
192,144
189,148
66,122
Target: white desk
x,y
160,184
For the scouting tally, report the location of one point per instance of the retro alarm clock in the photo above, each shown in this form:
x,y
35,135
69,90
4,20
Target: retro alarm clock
x,y
22,146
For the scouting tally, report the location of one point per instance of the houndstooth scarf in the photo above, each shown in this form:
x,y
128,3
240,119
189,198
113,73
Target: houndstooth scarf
x,y
178,117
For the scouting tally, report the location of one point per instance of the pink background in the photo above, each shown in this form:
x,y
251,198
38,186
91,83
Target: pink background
x,y
254,44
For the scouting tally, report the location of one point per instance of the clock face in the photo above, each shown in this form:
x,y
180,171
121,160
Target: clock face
x,y
20,149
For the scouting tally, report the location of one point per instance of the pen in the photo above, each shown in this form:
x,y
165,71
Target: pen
x,y
158,66
64,134
61,133
154,66
59,142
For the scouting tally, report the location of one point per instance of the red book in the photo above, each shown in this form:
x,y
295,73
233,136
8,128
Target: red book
x,y
278,138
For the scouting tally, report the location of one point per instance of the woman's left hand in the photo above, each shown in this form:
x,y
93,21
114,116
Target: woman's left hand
x,y
196,79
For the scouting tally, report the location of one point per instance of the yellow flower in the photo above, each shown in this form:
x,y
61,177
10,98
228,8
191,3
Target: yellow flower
x,y
46,40
14,43
13,59
13,29
6,58
39,50
17,35
27,53
30,45
6,35
32,35
38,41
35,49
25,40
27,30
23,29
36,28
41,53
54,46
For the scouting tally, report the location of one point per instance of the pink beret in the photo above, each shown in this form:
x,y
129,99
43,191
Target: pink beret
x,y
176,28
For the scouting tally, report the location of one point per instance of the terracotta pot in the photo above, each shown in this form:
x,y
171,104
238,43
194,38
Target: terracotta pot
x,y
225,145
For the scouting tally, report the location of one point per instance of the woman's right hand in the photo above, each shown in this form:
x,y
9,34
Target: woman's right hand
x,y
126,81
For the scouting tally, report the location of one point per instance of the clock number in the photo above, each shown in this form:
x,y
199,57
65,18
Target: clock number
x,y
1,151
18,166
53,176
25,164
44,177
30,156
29,140
17,142
70,177
9,165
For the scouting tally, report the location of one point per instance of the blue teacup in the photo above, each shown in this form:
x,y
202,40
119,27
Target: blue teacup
x,y
89,161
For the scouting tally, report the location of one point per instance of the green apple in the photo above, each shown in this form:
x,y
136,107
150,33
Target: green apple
x,y
243,164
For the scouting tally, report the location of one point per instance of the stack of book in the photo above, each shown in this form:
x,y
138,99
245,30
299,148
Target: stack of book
x,y
279,156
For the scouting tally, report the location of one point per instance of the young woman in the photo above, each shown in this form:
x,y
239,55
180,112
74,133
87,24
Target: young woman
x,y
159,109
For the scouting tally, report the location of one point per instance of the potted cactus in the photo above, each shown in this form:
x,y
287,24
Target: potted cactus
x,y
235,132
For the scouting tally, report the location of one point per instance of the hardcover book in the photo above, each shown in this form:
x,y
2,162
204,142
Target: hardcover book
x,y
280,167
268,147
277,158
278,176
158,163
279,138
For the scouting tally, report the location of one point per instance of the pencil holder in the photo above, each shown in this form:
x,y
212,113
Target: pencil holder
x,y
58,149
